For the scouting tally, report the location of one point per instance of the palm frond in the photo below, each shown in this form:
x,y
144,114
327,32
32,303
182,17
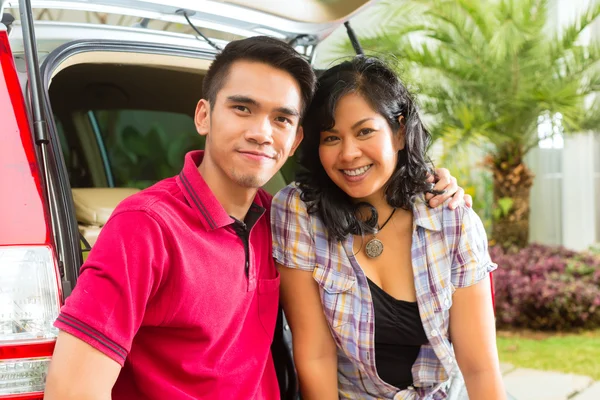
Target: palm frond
x,y
487,69
590,120
571,34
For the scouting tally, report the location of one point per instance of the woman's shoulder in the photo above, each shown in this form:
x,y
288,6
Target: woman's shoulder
x,y
443,218
289,200
289,196
291,189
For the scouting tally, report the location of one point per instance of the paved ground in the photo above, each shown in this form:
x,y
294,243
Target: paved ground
x,y
530,384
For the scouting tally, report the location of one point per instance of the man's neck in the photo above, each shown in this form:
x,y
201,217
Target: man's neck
x,y
236,200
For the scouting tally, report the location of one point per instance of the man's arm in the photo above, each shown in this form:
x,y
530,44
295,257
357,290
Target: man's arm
x,y
103,314
79,371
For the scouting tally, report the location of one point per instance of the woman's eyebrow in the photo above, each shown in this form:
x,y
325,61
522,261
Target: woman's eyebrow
x,y
362,121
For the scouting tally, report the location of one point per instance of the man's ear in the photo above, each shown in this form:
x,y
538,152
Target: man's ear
x,y
202,117
297,140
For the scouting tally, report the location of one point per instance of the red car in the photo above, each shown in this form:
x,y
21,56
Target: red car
x,y
91,112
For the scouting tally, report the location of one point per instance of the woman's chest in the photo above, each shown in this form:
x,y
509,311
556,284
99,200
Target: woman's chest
x,y
412,271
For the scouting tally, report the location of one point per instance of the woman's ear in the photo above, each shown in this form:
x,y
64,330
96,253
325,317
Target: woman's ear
x,y
400,137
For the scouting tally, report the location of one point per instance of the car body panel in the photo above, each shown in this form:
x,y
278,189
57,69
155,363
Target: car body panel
x,y
23,217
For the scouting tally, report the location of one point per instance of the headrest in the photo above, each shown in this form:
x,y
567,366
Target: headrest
x,y
93,206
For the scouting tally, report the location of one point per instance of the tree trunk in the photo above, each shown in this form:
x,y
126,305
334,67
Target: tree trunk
x,y
512,188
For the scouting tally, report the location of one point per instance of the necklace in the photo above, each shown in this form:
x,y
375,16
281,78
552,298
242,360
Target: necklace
x,y
374,247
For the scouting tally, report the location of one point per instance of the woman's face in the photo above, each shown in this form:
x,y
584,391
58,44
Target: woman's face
x,y
360,152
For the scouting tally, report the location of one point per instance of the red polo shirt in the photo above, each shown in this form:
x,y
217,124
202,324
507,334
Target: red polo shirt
x,y
181,295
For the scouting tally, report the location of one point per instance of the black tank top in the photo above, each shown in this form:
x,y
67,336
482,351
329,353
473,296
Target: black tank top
x,y
399,335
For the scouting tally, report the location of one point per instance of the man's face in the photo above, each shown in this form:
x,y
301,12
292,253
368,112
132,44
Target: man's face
x,y
254,124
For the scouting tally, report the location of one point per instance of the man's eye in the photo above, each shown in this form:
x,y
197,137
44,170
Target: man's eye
x,y
284,120
242,108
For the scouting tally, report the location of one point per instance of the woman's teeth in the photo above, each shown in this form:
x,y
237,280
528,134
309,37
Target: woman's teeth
x,y
357,171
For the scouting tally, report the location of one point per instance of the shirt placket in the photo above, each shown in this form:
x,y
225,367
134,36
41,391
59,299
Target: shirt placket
x,y
425,300
245,235
366,340
251,264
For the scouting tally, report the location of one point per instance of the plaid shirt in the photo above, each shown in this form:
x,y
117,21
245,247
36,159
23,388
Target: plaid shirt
x,y
449,250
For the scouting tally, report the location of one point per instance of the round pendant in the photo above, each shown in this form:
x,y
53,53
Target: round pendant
x,y
374,248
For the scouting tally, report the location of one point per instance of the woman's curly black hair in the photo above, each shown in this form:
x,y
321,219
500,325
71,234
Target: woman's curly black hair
x,y
381,88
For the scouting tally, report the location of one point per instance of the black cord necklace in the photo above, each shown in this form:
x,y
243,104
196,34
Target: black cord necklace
x,y
374,247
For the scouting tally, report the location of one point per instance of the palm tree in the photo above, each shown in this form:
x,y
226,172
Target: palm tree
x,y
486,72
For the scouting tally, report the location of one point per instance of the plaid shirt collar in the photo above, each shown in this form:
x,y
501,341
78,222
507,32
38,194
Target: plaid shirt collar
x,y
424,216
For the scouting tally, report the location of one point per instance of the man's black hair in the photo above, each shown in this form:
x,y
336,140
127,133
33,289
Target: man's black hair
x,y
266,50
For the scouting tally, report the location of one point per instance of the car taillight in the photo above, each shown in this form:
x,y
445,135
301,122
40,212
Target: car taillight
x,y
29,305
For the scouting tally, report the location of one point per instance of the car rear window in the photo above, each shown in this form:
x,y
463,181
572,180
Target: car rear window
x,y
137,147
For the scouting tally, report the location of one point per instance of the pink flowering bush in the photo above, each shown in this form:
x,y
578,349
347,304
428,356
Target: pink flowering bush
x,y
547,288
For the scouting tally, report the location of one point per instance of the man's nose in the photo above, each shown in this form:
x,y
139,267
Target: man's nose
x,y
261,132
350,150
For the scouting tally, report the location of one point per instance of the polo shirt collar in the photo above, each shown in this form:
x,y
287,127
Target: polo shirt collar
x,y
198,194
426,217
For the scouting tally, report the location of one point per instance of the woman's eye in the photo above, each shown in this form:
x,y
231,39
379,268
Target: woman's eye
x,y
329,139
365,131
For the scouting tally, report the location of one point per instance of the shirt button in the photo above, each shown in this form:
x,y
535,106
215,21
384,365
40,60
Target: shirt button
x,y
446,302
434,333
450,360
287,327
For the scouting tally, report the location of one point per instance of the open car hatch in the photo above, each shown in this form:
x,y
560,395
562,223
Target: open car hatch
x,y
311,20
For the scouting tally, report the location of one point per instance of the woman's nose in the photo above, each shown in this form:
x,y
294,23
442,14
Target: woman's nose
x,y
350,150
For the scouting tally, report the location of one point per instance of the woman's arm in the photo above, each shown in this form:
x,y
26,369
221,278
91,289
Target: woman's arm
x,y
473,334
315,352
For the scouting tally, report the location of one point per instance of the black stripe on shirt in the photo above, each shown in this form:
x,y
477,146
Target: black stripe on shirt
x,y
197,201
92,333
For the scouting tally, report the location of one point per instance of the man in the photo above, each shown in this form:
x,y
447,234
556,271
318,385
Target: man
x,y
179,297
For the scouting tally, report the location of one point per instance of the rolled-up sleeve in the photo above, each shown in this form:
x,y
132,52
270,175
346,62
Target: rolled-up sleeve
x,y
293,240
472,261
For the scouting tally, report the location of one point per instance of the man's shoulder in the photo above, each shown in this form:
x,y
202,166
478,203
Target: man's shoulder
x,y
154,200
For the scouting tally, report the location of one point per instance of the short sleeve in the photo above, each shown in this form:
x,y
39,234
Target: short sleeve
x,y
472,261
117,281
293,239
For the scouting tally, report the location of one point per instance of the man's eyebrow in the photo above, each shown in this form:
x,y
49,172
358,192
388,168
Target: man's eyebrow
x,y
249,100
242,99
362,121
292,112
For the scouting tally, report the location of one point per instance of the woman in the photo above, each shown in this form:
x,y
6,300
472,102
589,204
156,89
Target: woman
x,y
374,282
